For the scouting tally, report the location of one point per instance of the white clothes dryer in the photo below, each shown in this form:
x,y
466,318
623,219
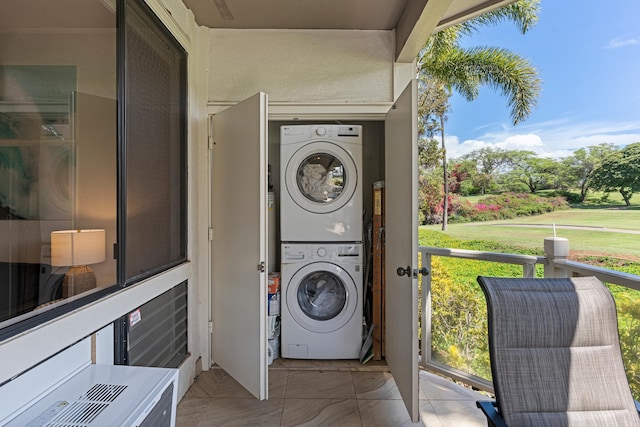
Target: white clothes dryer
x,y
322,293
321,183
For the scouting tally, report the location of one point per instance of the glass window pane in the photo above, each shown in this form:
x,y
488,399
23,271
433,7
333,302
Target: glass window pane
x,y
321,178
322,295
57,150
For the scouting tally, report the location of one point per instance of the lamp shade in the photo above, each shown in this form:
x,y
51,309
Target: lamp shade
x,y
77,247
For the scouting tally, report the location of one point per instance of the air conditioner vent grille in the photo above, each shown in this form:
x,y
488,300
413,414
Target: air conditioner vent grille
x,y
78,414
105,395
103,392
85,409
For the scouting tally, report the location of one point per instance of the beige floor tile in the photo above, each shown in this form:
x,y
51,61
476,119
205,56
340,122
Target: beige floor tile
x,y
320,384
191,410
280,363
435,387
385,413
333,365
459,413
372,365
229,387
277,383
428,415
326,393
375,385
242,412
206,383
321,412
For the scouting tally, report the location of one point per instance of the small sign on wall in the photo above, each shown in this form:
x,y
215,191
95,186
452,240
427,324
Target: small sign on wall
x,y
134,317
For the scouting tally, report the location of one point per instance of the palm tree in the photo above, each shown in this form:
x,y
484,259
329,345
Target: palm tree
x,y
444,61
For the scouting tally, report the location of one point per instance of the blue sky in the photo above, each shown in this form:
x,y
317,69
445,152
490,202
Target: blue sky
x,y
588,57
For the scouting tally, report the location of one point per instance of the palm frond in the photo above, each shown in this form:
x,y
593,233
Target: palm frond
x,y
504,71
466,70
523,14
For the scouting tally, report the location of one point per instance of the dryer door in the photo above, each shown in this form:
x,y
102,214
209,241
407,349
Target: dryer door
x,y
321,177
322,297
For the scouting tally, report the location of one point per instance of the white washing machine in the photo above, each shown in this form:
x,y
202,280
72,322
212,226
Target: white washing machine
x,y
322,292
321,183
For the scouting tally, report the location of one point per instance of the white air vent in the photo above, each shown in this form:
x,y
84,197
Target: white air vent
x,y
83,411
106,396
103,393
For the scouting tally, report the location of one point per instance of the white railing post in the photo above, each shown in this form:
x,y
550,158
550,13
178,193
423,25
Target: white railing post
x,y
555,248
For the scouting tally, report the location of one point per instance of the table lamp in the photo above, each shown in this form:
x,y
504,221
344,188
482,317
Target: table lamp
x,y
77,249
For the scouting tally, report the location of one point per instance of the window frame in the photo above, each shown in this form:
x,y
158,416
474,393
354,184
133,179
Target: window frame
x,y
27,321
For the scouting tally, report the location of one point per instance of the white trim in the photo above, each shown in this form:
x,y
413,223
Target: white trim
x,y
26,350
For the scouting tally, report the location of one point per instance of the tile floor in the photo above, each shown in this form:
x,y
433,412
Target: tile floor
x,y
326,393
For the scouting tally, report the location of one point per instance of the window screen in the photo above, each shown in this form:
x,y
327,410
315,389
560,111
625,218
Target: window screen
x,y
155,228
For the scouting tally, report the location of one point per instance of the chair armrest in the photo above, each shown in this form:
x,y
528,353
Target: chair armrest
x,y
491,412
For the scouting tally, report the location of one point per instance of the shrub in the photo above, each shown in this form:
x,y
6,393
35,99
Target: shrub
x,y
458,316
506,206
570,196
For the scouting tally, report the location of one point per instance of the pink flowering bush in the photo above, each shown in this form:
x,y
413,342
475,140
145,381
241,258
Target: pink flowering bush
x,y
504,206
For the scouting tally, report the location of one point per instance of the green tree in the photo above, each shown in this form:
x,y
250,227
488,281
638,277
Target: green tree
x,y
620,171
445,65
433,107
489,162
535,172
579,167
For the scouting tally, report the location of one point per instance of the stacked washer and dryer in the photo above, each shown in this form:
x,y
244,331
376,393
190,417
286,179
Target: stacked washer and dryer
x,y
321,234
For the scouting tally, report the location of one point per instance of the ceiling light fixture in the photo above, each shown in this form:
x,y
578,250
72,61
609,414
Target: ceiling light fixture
x,y
223,9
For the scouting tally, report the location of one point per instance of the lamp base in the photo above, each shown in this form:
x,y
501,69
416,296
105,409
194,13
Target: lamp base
x,y
78,279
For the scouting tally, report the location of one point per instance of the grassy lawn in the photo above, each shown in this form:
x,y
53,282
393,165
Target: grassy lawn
x,y
586,241
628,219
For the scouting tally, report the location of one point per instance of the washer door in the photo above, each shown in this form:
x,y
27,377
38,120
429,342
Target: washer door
x,y
321,177
321,297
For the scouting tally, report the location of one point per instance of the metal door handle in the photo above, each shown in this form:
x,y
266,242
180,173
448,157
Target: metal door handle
x,y
404,271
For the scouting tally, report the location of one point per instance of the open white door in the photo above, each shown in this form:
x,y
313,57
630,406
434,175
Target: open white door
x,y
239,246
401,246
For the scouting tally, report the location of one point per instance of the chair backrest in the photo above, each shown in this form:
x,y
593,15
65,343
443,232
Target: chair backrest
x,y
555,353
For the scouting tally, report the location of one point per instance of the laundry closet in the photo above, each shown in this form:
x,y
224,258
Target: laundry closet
x,y
257,112
322,245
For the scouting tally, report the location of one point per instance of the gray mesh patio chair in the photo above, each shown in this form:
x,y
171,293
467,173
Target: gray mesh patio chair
x,y
555,354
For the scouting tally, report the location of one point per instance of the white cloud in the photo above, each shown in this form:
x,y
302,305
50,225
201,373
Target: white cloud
x,y
616,43
557,138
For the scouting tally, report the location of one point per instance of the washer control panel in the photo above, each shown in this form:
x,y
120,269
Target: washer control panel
x,y
298,252
303,132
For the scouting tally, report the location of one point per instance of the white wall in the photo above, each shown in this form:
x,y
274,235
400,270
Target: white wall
x,y
298,66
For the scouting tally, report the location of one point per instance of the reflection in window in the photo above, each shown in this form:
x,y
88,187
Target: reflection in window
x,y
57,150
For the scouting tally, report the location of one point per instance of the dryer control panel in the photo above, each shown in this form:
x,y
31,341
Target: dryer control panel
x,y
349,253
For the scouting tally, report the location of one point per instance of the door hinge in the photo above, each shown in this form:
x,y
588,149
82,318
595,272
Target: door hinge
x,y
210,327
211,143
211,234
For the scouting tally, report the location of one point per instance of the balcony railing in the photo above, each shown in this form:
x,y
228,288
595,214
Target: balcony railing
x,y
553,264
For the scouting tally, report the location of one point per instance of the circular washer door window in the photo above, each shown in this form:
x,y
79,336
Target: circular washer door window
x,y
321,177
321,297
